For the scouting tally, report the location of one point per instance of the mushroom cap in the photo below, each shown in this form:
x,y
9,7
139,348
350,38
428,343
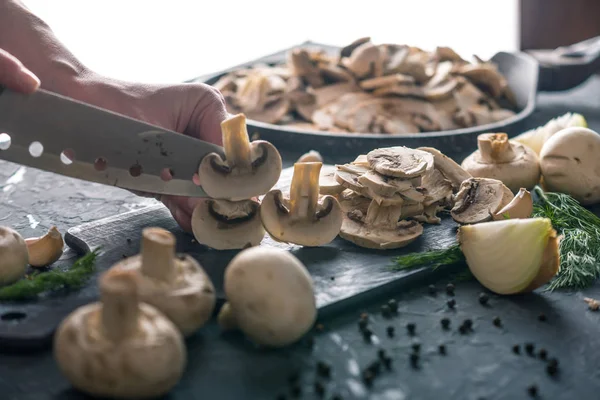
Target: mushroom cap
x,y
400,161
314,230
14,256
227,225
479,199
379,238
522,170
569,163
188,301
146,365
223,181
271,295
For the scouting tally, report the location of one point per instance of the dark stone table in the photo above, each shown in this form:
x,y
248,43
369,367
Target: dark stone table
x,y
477,365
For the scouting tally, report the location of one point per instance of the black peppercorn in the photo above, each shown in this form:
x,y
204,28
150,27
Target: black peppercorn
x,y
374,367
414,359
551,369
319,388
516,349
332,278
432,289
362,324
483,298
463,329
497,322
390,331
445,323
416,347
367,333
381,354
364,316
368,378
542,317
543,354
411,327
553,362
451,303
450,289
529,348
296,390
128,240
532,390
442,349
387,362
320,327
468,323
393,304
323,369
385,311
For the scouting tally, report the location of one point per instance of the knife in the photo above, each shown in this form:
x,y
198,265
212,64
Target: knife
x,y
54,133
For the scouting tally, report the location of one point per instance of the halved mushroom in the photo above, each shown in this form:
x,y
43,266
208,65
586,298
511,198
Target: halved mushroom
x,y
379,228
176,285
479,199
303,218
14,256
249,169
120,347
497,157
227,225
448,167
400,161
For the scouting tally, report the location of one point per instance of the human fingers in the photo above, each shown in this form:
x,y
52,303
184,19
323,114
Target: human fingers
x,y
208,112
181,216
15,76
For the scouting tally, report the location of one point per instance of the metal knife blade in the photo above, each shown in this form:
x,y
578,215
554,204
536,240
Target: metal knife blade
x,y
104,147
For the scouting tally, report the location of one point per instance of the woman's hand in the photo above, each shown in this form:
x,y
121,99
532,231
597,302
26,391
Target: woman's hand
x,y
14,75
192,109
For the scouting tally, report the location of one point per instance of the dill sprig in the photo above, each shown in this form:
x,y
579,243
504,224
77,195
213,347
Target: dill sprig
x,y
40,282
432,259
580,244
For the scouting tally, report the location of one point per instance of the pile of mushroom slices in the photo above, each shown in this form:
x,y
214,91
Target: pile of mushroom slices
x,y
369,88
388,193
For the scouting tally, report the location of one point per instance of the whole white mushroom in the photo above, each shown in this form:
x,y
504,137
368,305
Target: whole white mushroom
x,y
14,256
570,164
270,297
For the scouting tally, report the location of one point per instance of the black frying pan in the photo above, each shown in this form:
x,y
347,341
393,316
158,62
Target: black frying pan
x,y
543,70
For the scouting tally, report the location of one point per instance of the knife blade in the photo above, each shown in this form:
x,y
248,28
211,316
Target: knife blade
x,y
54,133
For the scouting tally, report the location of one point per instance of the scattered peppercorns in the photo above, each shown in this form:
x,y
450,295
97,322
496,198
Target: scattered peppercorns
x,y
411,328
516,349
483,299
432,290
319,389
450,289
445,323
451,303
381,354
390,331
332,278
323,369
529,348
543,354
497,322
542,317
442,349
393,305
385,311
551,369
532,390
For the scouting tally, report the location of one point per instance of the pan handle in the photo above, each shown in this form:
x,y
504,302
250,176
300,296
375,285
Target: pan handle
x,y
567,67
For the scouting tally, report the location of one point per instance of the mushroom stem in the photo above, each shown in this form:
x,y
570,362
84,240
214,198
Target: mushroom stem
x,y
158,254
495,148
304,190
120,304
236,142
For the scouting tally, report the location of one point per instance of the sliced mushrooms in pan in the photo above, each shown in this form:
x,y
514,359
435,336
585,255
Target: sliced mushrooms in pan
x,y
371,88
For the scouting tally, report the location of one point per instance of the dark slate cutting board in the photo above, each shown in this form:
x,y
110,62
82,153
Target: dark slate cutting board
x,y
344,274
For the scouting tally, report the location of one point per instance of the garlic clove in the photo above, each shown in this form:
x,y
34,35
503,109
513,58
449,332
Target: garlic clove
x,y
511,256
45,250
521,206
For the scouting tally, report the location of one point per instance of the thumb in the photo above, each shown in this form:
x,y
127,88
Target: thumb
x,y
15,76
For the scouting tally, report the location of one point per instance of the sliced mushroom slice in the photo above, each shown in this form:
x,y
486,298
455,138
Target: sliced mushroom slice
x,y
361,160
301,65
437,187
485,75
399,90
350,201
379,228
335,73
440,91
344,107
400,161
387,80
479,199
429,214
383,185
327,183
227,225
249,169
346,51
448,167
350,181
272,112
443,53
327,94
303,218
366,60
